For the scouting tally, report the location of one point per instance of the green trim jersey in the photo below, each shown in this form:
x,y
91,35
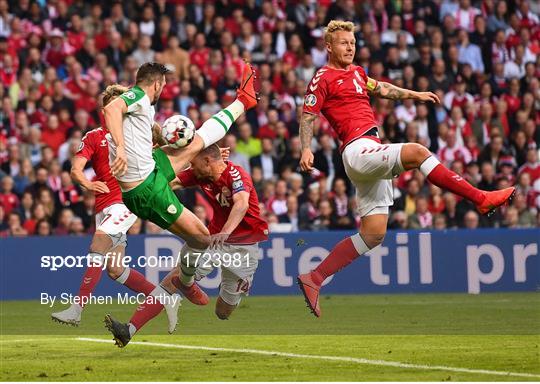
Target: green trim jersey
x,y
137,128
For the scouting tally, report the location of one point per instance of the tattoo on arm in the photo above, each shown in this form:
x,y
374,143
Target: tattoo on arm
x,y
306,129
390,91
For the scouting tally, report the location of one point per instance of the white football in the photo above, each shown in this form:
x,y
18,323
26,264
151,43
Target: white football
x,y
178,131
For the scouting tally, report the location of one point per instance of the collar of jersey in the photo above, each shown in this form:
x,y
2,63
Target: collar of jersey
x,y
139,88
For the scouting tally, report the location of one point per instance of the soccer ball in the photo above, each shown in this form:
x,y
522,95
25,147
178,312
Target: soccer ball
x,y
178,131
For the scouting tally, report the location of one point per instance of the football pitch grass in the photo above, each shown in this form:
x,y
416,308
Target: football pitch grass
x,y
421,337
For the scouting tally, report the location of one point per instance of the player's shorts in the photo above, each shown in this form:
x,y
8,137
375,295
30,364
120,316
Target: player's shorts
x,y
115,220
154,199
236,277
371,166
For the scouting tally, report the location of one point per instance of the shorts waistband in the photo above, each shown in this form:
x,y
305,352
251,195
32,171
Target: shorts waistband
x,y
373,132
141,186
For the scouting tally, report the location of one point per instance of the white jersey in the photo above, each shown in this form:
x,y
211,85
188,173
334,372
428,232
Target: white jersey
x,y
138,123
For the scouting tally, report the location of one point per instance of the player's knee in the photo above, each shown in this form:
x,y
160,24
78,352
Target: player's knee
x,y
101,243
373,240
222,315
420,153
114,271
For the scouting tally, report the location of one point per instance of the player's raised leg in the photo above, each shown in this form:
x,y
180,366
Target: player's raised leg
x,y
215,128
414,156
366,165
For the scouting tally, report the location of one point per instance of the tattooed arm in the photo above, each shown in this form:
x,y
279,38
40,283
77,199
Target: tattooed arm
x,y
306,134
390,91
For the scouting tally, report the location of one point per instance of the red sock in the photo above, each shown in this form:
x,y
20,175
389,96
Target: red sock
x,y
136,282
444,178
91,277
342,255
146,312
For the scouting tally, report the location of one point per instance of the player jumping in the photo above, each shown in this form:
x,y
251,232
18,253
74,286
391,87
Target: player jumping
x,y
144,174
236,230
341,91
113,219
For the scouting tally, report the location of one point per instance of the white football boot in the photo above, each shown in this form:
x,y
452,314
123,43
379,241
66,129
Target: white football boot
x,y
171,307
70,316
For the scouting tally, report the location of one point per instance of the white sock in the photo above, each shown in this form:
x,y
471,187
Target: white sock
x,y
429,165
215,128
185,279
159,292
132,329
359,244
123,276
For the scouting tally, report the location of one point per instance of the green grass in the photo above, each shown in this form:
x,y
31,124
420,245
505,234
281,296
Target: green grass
x,y
495,332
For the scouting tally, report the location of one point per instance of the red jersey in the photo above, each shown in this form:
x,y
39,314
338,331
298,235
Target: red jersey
x,y
342,97
234,179
94,148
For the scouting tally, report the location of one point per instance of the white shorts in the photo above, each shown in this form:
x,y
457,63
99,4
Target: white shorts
x,y
236,278
115,220
371,166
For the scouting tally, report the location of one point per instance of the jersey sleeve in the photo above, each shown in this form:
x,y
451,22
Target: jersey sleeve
x,y
187,178
238,180
87,147
371,84
133,98
316,93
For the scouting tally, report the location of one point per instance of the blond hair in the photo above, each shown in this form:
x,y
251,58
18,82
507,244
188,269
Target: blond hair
x,y
337,25
112,92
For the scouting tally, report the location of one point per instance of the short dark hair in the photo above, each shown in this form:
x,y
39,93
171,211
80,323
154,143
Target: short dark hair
x,y
213,151
150,72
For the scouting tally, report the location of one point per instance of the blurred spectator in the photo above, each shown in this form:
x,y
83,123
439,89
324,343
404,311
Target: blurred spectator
x,y
493,151
291,215
399,220
247,144
469,53
234,156
453,151
471,220
422,218
309,211
266,160
407,202
8,200
342,216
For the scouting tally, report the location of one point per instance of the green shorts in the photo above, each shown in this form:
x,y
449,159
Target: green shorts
x,y
154,199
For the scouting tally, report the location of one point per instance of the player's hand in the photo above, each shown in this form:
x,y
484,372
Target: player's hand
x,y
99,187
217,240
225,153
119,165
428,96
306,162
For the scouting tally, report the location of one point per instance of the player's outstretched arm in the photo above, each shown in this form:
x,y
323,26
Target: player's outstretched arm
x,y
390,91
77,175
238,211
113,114
306,135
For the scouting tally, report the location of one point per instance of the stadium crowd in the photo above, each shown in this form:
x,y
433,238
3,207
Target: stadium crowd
x,y
481,57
